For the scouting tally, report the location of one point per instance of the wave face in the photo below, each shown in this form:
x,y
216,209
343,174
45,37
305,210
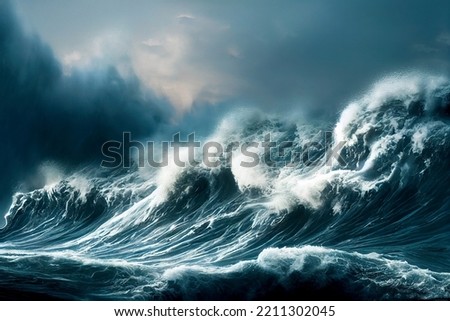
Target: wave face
x,y
374,227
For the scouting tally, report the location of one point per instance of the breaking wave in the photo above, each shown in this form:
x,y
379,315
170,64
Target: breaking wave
x,y
374,227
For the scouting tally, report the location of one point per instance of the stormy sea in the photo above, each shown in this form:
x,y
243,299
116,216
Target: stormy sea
x,y
370,223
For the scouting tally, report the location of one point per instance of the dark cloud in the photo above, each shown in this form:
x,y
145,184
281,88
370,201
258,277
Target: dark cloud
x,y
48,116
313,55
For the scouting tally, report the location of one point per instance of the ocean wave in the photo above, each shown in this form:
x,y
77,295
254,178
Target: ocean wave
x,y
231,232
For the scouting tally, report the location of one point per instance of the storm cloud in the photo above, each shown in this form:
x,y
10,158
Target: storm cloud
x,y
46,115
313,55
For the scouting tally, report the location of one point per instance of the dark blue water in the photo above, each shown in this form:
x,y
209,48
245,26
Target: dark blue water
x,y
374,227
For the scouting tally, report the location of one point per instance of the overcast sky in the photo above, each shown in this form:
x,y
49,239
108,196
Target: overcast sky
x,y
314,54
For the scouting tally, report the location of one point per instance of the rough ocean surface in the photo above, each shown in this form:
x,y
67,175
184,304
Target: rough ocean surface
x,y
375,227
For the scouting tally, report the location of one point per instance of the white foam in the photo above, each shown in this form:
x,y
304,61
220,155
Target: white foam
x,y
82,184
248,177
418,139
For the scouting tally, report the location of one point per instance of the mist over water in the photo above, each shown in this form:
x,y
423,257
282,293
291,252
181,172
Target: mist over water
x,y
374,227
